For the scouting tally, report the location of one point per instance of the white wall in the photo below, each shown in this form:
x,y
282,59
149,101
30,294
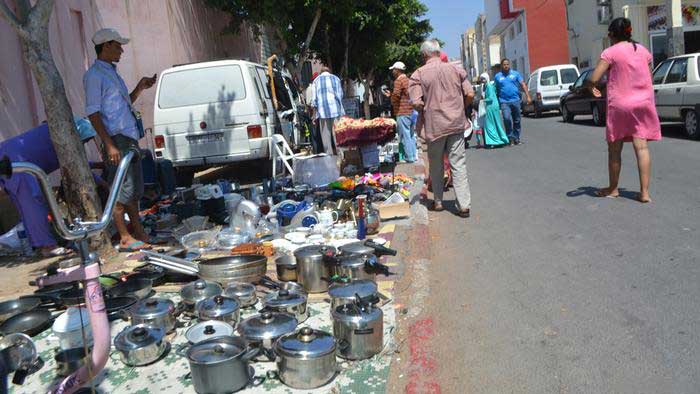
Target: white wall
x,y
492,11
516,48
494,51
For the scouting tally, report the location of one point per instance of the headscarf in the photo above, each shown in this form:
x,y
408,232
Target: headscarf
x,y
485,76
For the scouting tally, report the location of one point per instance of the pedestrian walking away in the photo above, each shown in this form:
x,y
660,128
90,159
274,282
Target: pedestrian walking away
x,y
403,109
508,84
108,105
328,104
309,95
439,92
490,115
631,110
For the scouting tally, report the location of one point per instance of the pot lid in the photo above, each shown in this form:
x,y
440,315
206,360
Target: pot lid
x,y
313,251
217,306
356,248
208,330
216,350
363,287
353,260
153,307
267,325
239,289
137,337
366,313
305,343
70,320
284,298
199,290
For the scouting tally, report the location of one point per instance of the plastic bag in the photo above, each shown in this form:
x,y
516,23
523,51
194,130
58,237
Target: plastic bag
x,y
10,240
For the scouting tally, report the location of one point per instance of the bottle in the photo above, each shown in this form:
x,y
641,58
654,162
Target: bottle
x,y
24,240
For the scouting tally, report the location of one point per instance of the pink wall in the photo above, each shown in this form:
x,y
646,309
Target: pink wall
x,y
162,33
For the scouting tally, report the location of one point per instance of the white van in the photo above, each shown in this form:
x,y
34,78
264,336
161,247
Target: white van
x,y
214,113
546,85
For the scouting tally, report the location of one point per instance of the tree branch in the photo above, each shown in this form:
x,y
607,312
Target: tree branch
x,y
310,35
12,19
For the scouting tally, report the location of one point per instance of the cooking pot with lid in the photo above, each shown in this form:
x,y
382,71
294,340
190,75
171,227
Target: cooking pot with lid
x,y
345,293
244,292
359,329
262,330
141,344
220,365
306,358
155,312
289,302
312,270
196,291
220,308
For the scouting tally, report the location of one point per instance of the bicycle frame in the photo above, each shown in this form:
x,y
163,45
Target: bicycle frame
x,y
88,271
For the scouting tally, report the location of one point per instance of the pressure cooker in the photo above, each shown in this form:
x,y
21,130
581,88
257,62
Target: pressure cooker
x,y
359,329
312,270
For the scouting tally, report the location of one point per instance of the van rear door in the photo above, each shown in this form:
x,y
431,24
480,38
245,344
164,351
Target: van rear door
x,y
204,113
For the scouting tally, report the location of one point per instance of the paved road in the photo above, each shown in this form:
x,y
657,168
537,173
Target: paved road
x,y
547,289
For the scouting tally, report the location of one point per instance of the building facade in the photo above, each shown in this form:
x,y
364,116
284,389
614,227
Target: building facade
x,y
468,52
481,42
162,33
588,26
531,33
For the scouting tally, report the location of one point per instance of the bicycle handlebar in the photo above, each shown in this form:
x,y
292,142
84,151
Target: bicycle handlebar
x,y
83,229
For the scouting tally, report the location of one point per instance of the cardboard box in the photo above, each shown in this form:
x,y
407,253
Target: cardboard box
x,y
394,211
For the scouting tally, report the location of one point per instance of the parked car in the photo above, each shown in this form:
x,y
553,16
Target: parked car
x,y
546,85
213,113
580,101
677,90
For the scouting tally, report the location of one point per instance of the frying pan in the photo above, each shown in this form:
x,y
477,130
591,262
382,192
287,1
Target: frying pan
x,y
115,305
13,307
31,322
137,287
55,288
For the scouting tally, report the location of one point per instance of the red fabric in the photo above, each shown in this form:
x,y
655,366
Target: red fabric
x,y
351,132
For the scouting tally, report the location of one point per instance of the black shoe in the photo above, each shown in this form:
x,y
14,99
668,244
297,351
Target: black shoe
x,y
463,213
518,142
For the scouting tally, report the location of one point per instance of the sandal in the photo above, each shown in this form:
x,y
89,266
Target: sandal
x,y
134,247
437,207
464,213
604,193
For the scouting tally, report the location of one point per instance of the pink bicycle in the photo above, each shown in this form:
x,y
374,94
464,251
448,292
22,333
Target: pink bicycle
x,y
88,272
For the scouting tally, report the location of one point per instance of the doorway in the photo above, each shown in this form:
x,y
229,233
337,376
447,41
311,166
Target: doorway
x,y
692,41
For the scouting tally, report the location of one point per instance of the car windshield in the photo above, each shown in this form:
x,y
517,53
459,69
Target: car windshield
x,y
568,75
203,86
549,78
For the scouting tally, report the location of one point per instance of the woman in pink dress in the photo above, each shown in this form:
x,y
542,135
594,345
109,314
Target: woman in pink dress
x,y
631,113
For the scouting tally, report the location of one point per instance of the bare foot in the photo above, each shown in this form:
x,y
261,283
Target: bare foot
x,y
644,198
608,192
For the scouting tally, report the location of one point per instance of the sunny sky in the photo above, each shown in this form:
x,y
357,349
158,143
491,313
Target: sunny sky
x,y
450,18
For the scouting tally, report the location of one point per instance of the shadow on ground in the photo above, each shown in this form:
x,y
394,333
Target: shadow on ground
x,y
590,192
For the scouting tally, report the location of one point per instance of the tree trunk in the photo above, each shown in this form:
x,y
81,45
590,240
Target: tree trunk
x,y
346,43
327,41
79,186
304,54
365,83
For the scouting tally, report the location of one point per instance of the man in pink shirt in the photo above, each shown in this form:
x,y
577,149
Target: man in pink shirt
x,y
440,93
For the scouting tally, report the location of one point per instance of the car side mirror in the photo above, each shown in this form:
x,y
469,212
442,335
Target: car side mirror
x,y
571,88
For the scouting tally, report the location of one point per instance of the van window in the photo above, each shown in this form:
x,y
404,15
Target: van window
x,y
263,78
532,83
549,78
568,75
678,72
660,71
202,86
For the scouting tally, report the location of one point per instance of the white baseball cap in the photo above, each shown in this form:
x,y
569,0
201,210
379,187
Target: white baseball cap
x,y
399,66
107,35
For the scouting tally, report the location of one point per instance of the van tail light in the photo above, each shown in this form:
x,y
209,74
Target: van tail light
x,y
254,131
539,96
159,141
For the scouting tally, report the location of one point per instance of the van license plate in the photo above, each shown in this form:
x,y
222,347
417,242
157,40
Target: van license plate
x,y
205,138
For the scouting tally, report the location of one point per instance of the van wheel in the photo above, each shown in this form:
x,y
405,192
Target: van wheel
x,y
598,118
690,121
184,176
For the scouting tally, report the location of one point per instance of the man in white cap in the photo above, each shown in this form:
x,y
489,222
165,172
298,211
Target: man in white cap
x,y
109,107
402,110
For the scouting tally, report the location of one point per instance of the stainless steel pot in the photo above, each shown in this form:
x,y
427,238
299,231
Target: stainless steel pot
x,y
286,268
140,344
345,293
262,330
155,312
367,247
306,358
289,302
220,308
359,329
352,266
244,268
244,292
372,220
196,291
220,365
312,271
70,360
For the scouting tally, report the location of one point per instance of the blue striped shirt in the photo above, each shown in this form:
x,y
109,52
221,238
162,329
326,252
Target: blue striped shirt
x,y
328,98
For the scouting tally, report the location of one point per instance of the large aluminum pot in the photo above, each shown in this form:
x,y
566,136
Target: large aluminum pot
x,y
306,358
359,330
141,344
312,270
243,268
155,312
220,365
346,293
